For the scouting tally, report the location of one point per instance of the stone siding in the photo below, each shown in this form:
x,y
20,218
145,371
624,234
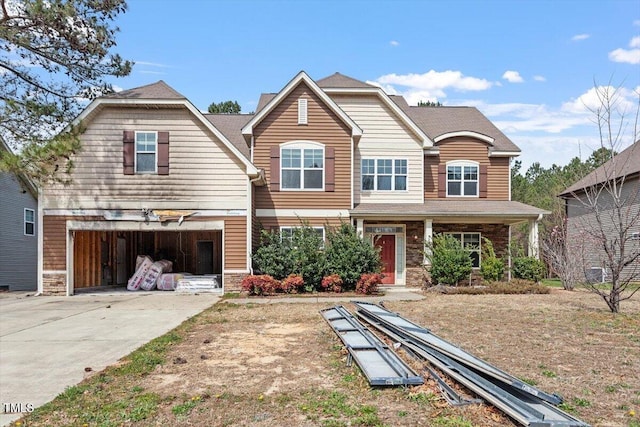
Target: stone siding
x,y
54,284
233,281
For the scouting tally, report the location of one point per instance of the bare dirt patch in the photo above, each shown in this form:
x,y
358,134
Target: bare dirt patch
x,y
266,364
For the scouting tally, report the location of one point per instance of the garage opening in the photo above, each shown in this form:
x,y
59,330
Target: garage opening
x,y
108,258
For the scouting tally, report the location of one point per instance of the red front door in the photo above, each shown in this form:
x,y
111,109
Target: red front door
x,y
387,245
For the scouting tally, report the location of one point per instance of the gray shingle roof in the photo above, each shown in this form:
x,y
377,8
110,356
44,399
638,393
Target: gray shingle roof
x,y
436,121
264,100
452,208
230,125
341,81
624,164
157,90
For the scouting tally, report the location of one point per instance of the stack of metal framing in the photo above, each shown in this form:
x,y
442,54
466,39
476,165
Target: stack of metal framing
x,y
527,405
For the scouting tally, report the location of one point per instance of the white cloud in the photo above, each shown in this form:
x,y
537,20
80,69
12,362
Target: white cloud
x,y
580,37
394,43
430,85
512,76
539,78
621,100
636,22
629,56
151,64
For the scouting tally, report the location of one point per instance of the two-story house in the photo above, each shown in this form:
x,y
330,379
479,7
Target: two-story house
x,y
324,151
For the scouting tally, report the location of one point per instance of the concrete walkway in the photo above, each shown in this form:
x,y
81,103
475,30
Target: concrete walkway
x,y
47,342
391,294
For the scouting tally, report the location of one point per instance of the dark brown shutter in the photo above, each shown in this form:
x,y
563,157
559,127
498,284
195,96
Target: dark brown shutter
x,y
128,152
483,181
442,181
330,169
163,153
275,168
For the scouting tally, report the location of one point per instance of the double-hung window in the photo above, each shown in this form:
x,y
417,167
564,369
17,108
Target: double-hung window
x,y
29,222
384,174
302,168
471,243
146,152
462,179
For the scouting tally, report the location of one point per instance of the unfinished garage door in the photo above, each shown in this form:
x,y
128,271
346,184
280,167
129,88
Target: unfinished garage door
x,y
107,258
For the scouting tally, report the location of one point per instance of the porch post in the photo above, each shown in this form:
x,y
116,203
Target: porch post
x,y
534,249
360,227
428,236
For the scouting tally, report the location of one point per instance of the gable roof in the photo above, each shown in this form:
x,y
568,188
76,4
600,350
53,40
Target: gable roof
x,y
624,164
157,90
341,81
25,182
231,126
160,94
442,122
301,77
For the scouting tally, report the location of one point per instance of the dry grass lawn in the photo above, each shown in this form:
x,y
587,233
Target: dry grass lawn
x,y
282,365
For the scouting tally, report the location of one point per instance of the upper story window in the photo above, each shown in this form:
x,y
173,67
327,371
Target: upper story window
x,y
288,232
146,152
384,174
29,222
302,166
462,178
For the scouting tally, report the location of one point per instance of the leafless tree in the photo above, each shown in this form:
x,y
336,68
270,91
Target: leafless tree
x,y
604,208
555,253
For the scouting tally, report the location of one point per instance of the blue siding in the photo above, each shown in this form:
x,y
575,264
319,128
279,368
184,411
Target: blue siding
x,y
18,253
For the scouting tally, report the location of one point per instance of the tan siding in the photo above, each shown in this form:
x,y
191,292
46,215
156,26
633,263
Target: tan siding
x,y
235,243
384,136
280,126
462,148
54,251
201,169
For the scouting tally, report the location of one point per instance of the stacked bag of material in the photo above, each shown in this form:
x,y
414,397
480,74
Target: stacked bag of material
x,y
169,281
147,273
156,269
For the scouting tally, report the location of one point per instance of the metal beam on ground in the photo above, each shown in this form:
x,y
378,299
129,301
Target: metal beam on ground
x,y
525,408
378,362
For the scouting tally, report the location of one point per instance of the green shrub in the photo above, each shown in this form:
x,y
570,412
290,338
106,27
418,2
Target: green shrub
x,y
272,257
528,268
492,267
349,255
450,262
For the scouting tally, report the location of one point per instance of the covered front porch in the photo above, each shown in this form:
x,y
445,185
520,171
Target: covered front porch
x,y
400,231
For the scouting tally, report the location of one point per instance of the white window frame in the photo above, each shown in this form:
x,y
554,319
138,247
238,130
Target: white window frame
x,y
303,111
155,152
377,174
291,228
25,222
478,249
462,164
302,146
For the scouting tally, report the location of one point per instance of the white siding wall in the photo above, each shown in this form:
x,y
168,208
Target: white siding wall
x,y
203,173
384,136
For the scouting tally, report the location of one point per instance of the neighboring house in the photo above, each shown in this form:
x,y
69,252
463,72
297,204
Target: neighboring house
x,y
595,215
324,151
18,232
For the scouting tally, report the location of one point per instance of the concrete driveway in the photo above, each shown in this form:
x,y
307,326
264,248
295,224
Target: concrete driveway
x,y
47,342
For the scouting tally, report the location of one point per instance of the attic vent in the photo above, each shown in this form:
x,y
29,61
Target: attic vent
x,y
302,111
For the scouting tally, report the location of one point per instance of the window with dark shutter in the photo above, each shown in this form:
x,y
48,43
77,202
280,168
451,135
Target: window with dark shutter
x,y
330,169
128,152
442,181
483,181
163,153
275,169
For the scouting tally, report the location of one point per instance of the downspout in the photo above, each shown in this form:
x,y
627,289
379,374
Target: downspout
x,y
260,177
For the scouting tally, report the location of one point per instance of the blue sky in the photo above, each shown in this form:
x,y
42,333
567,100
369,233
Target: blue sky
x,y
530,66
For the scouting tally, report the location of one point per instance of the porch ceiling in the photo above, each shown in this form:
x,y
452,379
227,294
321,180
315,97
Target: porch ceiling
x,y
452,210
